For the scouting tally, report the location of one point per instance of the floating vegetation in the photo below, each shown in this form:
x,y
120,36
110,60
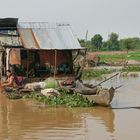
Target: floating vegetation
x,y
124,74
135,68
96,73
12,95
134,75
129,74
64,99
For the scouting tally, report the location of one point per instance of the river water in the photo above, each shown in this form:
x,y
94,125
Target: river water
x,y
24,120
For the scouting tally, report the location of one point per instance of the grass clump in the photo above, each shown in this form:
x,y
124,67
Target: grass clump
x,y
13,95
95,73
135,55
135,68
64,99
129,74
112,57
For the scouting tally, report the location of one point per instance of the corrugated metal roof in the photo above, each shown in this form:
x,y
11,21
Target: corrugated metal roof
x,y
47,36
31,25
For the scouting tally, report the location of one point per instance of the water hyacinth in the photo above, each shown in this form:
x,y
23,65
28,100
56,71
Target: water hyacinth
x,y
135,68
95,73
64,99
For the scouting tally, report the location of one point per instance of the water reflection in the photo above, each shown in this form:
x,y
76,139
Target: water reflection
x,y
20,120
107,116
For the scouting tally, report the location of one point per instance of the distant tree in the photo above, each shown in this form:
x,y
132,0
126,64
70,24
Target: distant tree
x,y
113,42
86,44
135,42
130,43
105,46
89,46
97,41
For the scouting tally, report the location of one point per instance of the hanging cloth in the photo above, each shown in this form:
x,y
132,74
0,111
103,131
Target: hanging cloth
x,y
15,58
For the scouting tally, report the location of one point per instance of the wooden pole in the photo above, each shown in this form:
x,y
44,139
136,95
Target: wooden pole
x,y
50,62
106,80
55,64
0,63
86,38
27,63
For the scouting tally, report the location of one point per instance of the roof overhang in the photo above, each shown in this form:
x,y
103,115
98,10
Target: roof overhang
x,y
8,23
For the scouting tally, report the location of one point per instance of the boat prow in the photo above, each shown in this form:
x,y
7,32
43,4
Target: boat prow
x,y
100,96
103,97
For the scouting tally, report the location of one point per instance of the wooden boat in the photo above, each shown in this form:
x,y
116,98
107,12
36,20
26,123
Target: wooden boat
x,y
79,87
98,95
103,97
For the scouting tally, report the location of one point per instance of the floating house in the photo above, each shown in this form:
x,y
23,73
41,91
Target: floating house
x,y
37,49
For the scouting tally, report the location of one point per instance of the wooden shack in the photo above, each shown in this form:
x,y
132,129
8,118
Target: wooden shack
x,y
37,49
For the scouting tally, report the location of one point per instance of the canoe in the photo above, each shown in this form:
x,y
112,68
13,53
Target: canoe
x,y
79,87
100,96
103,97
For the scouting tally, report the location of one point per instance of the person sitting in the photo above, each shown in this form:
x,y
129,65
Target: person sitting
x,y
9,81
12,80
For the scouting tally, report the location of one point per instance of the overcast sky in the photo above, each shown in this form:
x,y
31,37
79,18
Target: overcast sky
x,y
98,16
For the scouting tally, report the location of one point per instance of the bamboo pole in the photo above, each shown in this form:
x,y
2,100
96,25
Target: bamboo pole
x,y
106,80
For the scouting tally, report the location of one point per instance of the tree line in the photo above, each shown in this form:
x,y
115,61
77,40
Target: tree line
x,y
112,44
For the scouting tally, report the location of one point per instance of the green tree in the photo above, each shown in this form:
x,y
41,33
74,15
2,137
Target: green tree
x,y
105,46
96,41
86,44
113,42
130,43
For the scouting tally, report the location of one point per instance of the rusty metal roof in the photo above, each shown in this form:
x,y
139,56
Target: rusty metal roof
x,y
47,36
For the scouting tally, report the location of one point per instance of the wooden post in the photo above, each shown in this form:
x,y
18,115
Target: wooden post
x,y
50,62
27,64
7,58
86,38
55,63
0,63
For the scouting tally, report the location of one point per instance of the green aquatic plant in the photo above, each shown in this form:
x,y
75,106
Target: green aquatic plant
x,y
64,99
12,95
129,74
135,68
95,73
134,75
124,74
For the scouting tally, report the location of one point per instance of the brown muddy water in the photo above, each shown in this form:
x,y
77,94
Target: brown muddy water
x,y
23,120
